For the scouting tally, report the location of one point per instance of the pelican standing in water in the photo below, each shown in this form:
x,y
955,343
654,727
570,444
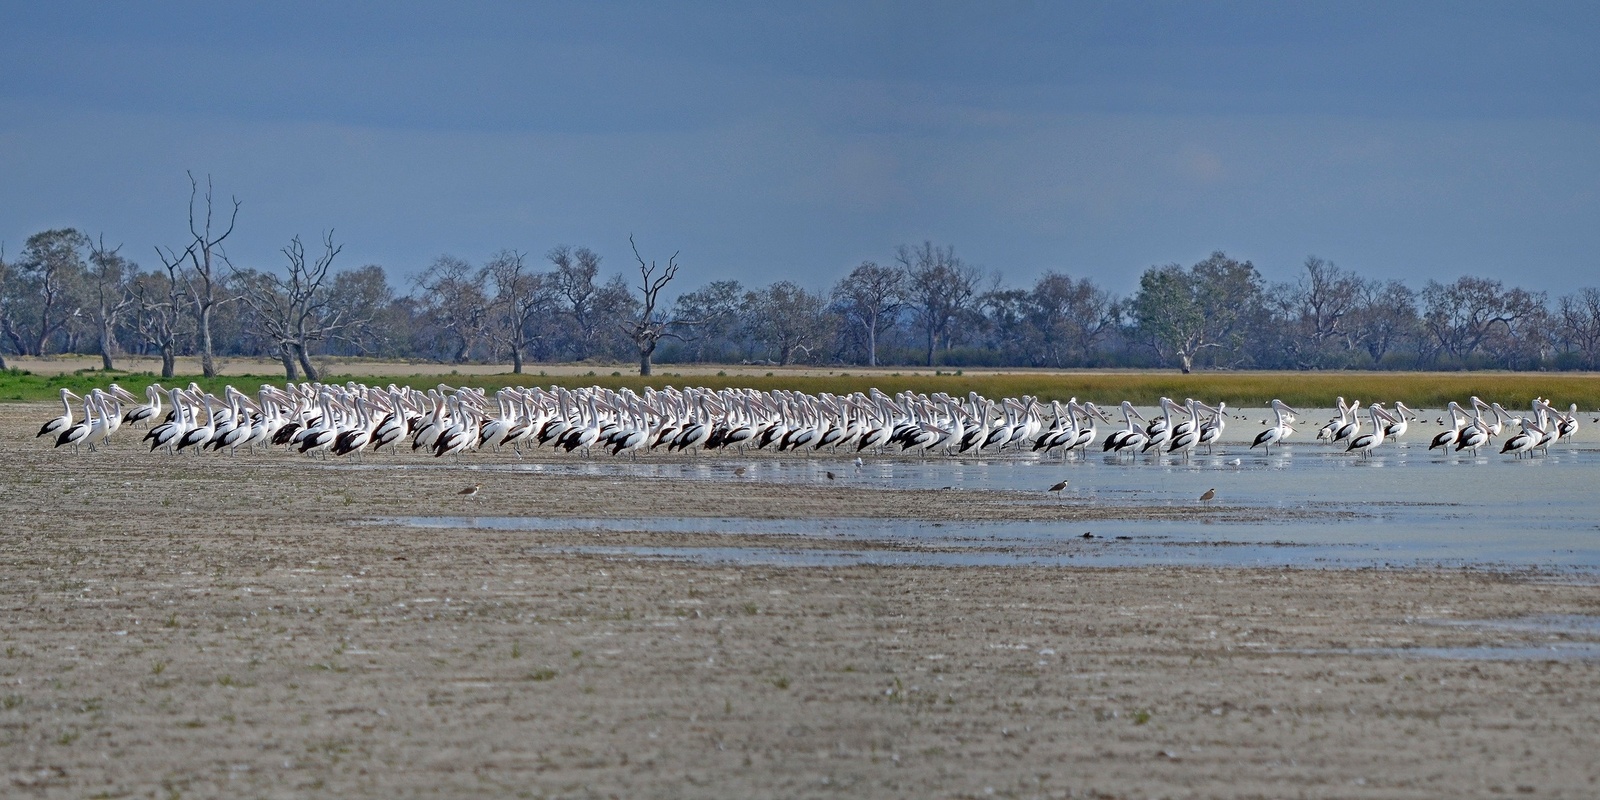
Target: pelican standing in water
x,y
1523,441
1365,443
1445,439
1278,432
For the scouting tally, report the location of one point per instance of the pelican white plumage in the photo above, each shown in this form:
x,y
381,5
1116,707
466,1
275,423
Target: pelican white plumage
x,y
1446,439
1365,443
1473,436
57,425
1160,431
1211,430
1115,440
149,411
1567,424
1524,440
1327,431
76,434
1400,425
167,433
1279,432
1351,428
1541,414
1186,434
200,434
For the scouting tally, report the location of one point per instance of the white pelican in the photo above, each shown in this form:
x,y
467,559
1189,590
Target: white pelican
x,y
1211,429
1160,431
1447,438
1327,431
1365,443
1186,434
1351,428
1523,441
1473,436
147,412
1278,432
76,434
63,422
167,433
1567,424
1398,427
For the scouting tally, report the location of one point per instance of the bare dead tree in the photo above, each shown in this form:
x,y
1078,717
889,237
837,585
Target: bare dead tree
x,y
294,310
109,277
648,329
199,267
160,319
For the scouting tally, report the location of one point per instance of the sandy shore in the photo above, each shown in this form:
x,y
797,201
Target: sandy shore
x,y
238,627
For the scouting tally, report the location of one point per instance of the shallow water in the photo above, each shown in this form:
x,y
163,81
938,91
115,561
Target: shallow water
x,y
1402,506
1554,637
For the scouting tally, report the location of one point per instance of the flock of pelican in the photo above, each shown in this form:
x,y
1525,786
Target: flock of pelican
x,y
350,419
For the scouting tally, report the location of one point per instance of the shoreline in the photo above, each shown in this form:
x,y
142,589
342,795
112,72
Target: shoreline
x,y
228,627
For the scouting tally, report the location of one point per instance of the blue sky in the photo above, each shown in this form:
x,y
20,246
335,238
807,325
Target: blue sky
x,y
794,140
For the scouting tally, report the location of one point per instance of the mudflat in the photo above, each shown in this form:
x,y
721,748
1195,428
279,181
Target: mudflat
x,y
249,626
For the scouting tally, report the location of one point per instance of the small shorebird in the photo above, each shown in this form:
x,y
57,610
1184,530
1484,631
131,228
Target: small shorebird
x,y
1058,487
830,475
1211,494
738,471
470,490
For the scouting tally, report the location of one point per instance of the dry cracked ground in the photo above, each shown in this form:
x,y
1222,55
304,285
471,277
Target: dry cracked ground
x,y
215,626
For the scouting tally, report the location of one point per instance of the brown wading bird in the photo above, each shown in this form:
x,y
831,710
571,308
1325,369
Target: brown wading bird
x,y
1210,495
470,490
1058,487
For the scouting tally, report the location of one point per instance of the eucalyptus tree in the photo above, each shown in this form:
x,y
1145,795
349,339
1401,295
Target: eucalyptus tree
x,y
455,302
1068,319
940,290
520,296
870,298
381,322
581,299
786,319
1461,317
1180,312
160,315
46,285
1578,318
1385,319
1315,313
7,301
716,307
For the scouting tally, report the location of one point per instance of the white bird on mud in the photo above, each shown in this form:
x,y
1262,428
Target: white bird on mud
x,y
63,422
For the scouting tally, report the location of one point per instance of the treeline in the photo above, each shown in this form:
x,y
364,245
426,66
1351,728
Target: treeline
x,y
66,293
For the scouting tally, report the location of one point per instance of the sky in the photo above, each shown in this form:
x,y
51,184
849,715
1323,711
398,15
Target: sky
x,y
768,141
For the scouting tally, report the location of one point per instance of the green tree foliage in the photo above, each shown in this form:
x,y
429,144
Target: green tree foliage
x,y
1211,306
